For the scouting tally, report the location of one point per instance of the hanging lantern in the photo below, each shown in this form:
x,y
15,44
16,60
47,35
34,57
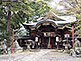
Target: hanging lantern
x,y
36,39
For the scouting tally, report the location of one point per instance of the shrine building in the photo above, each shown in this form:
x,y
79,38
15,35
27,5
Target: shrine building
x,y
48,31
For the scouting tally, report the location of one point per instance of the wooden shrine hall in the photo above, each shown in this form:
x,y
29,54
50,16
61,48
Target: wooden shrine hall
x,y
47,32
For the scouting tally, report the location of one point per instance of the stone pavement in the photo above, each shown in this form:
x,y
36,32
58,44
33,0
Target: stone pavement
x,y
43,55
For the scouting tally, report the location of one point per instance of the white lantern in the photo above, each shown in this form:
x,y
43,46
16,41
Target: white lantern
x,y
57,39
67,35
36,39
44,34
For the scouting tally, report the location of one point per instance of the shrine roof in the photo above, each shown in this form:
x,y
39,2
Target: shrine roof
x,y
58,23
61,20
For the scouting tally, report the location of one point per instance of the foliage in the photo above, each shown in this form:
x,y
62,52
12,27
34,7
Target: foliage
x,y
73,7
21,11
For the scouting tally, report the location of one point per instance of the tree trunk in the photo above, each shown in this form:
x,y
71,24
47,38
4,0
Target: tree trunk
x,y
8,21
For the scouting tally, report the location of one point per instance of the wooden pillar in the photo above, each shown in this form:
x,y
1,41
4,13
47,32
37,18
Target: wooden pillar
x,y
73,36
12,41
49,45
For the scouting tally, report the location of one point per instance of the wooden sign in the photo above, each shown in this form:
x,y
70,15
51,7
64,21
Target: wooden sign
x,y
32,28
52,34
46,23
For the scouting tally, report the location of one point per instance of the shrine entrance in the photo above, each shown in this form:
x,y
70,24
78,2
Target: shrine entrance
x,y
45,42
47,34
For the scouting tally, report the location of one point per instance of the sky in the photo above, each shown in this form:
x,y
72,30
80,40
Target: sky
x,y
55,3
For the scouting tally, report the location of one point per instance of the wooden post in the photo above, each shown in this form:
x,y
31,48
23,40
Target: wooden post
x,y
12,41
49,42
73,36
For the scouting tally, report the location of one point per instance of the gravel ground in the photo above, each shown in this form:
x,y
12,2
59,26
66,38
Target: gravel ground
x,y
43,55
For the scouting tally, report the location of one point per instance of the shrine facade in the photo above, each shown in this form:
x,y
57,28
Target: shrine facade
x,y
47,33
